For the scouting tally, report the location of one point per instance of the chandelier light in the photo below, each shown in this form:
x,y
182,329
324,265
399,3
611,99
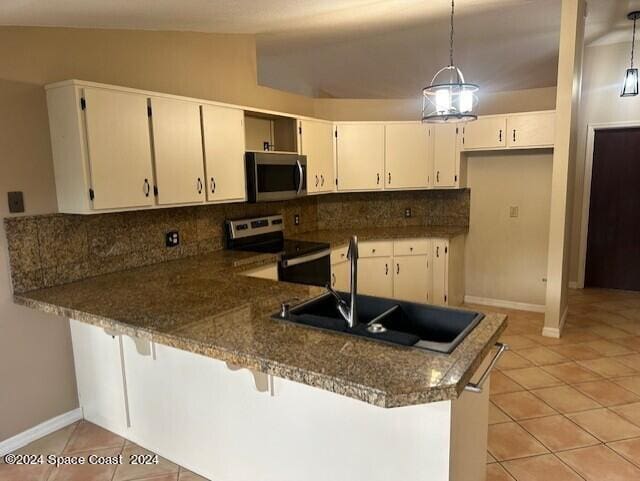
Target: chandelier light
x,y
449,98
630,86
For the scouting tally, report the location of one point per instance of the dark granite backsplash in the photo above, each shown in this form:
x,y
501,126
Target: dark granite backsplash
x,y
50,250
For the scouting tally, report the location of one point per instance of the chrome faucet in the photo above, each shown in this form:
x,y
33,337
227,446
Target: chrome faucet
x,y
349,311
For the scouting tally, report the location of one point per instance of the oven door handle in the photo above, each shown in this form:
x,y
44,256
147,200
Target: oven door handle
x,y
301,183
301,260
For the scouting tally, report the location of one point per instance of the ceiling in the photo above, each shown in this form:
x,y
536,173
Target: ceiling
x,y
357,48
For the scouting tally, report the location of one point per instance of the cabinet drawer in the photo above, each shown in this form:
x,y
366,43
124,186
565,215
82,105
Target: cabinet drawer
x,y
376,249
339,254
412,247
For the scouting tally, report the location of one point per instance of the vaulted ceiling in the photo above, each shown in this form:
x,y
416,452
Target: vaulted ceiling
x,y
357,48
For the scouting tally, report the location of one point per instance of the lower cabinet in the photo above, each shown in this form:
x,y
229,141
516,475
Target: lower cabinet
x,y
264,272
429,271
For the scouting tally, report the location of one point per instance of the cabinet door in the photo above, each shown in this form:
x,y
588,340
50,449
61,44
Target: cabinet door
x,y
485,133
440,269
408,160
119,149
412,279
375,276
531,130
177,151
445,156
98,361
340,276
266,272
360,156
317,143
223,138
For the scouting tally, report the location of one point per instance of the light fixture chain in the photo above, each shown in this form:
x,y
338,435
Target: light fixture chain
x,y
451,35
633,41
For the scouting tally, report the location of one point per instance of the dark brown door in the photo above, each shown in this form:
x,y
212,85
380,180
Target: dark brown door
x,y
613,241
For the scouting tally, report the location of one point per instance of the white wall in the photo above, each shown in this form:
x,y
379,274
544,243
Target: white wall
x,y
505,257
604,68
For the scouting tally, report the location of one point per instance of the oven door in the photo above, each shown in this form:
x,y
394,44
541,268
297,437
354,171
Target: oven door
x,y
312,269
275,176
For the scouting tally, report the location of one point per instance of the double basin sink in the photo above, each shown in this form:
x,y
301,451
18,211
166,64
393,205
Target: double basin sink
x,y
421,326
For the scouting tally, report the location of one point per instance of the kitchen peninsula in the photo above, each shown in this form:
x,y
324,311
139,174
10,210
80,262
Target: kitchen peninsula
x,y
183,358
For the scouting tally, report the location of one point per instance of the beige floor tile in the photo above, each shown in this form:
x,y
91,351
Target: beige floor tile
x,y
53,443
165,477
571,373
631,412
522,405
607,393
87,472
558,433
532,377
88,436
630,383
608,348
127,471
566,399
541,468
189,476
607,367
495,472
577,352
630,360
607,332
632,328
605,425
512,360
578,335
511,441
632,342
542,356
629,449
10,472
496,415
517,342
502,384
490,459
600,463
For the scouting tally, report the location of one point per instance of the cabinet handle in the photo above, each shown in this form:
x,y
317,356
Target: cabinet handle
x,y
397,268
378,179
477,387
373,251
317,180
386,269
333,280
437,177
389,178
410,249
213,185
146,188
199,185
321,180
437,251
500,136
514,135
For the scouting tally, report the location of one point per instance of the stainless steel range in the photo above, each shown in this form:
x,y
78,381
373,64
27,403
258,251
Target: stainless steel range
x,y
301,262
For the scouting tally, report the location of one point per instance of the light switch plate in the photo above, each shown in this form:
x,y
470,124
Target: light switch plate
x,y
296,219
407,212
16,202
172,238
514,211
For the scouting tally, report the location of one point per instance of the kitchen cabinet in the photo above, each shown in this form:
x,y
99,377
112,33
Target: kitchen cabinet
x,y
446,156
448,271
263,272
223,139
98,359
408,155
341,276
412,279
375,276
177,151
317,143
531,130
485,133
360,156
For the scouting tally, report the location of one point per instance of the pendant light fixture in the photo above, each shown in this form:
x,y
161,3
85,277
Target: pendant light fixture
x,y
449,98
630,87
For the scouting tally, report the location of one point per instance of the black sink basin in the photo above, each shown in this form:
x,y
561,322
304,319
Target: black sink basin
x,y
421,326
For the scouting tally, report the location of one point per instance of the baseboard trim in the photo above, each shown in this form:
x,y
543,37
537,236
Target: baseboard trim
x,y
573,285
556,332
30,435
520,306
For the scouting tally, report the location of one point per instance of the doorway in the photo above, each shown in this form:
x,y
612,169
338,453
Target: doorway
x,y
613,236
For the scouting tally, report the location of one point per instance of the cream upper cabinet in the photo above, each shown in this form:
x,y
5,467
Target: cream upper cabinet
x,y
446,156
485,133
119,148
531,130
408,155
317,144
177,151
412,279
360,156
375,276
223,140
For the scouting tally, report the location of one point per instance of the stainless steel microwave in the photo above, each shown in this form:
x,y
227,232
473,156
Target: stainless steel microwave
x,y
275,176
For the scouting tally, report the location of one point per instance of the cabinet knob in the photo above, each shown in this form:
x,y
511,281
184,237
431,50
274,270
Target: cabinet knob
x,y
437,177
317,181
397,268
377,179
410,249
146,188
213,185
373,251
333,280
437,251
199,184
514,135
321,180
389,178
500,136
386,269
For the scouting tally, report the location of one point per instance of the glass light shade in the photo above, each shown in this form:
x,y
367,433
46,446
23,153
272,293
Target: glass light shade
x,y
448,102
630,87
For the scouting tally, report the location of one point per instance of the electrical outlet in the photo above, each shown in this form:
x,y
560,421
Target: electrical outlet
x,y
407,212
16,202
172,238
513,211
296,219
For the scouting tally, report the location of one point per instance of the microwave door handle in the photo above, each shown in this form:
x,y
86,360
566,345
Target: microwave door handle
x,y
301,183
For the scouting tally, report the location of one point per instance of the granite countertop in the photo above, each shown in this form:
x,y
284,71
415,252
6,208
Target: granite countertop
x,y
205,305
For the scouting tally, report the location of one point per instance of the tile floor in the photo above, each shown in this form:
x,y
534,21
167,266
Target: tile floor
x,y
561,409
